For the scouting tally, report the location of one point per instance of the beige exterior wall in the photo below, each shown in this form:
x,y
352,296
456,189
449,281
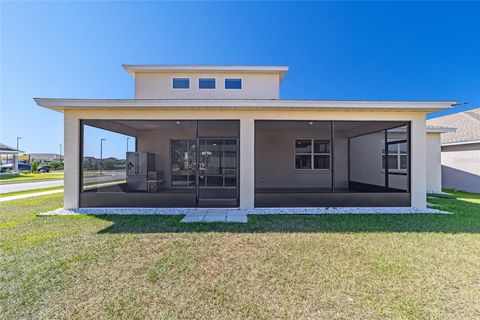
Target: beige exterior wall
x,y
247,140
150,85
71,140
461,167
434,168
276,168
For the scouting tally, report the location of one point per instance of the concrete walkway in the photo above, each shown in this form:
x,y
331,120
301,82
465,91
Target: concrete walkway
x,y
30,195
215,215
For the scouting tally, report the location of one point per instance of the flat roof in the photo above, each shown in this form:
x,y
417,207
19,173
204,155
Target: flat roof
x,y
132,68
245,104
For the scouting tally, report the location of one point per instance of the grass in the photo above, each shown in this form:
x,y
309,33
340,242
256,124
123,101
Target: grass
x,y
282,267
17,193
30,177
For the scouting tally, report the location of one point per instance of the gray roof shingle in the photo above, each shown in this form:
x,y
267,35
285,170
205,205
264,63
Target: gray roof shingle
x,y
466,122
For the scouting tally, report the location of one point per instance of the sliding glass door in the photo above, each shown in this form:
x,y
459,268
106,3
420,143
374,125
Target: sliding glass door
x,y
218,172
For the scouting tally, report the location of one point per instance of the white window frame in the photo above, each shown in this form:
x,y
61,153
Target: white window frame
x,y
398,154
189,83
312,154
207,88
225,83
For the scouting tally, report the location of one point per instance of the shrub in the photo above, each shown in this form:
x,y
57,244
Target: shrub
x,y
34,166
55,165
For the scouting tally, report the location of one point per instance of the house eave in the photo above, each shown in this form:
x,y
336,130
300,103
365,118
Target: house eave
x,y
458,143
247,104
431,129
134,68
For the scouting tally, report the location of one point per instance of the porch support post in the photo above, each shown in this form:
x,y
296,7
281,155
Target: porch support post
x,y
247,163
418,162
71,161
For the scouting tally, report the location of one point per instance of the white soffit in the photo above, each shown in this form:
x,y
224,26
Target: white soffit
x,y
64,104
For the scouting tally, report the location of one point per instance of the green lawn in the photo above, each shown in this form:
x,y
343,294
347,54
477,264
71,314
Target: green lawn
x,y
30,177
282,267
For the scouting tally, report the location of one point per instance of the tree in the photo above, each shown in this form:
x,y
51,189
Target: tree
x,y
34,166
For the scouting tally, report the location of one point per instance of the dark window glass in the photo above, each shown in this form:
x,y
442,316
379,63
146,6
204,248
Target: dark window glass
x,y
303,162
181,83
392,162
321,162
230,181
206,83
183,157
403,161
214,181
233,83
303,146
321,146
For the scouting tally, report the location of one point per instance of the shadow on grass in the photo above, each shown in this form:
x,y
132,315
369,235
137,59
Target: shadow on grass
x,y
466,219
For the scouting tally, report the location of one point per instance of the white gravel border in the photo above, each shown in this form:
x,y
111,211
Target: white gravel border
x,y
231,211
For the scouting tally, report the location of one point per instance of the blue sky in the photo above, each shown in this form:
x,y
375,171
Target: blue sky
x,y
378,51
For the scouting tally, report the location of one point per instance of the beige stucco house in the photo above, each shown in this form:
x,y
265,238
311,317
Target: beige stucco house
x,y
460,150
220,136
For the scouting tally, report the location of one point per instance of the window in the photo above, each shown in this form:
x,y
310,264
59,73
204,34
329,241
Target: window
x,y
312,154
233,83
181,83
397,155
206,83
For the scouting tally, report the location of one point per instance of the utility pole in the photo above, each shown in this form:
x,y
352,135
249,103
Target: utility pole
x,y
60,152
127,142
18,138
101,155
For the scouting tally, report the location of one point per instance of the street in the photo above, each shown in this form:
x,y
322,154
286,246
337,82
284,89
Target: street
x,y
24,186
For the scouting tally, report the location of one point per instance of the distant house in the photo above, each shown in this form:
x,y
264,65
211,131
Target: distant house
x,y
460,150
434,165
45,157
9,155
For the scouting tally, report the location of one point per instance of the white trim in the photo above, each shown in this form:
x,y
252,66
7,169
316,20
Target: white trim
x,y
256,104
440,129
459,143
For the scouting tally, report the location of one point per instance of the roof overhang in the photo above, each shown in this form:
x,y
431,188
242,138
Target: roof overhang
x,y
346,105
457,143
133,68
434,129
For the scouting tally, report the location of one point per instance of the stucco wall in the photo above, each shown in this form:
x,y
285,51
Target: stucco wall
x,y
461,167
247,118
366,161
275,158
434,168
159,86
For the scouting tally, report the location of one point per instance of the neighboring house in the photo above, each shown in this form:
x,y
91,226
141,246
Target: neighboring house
x,y
460,150
9,156
220,136
434,166
45,157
